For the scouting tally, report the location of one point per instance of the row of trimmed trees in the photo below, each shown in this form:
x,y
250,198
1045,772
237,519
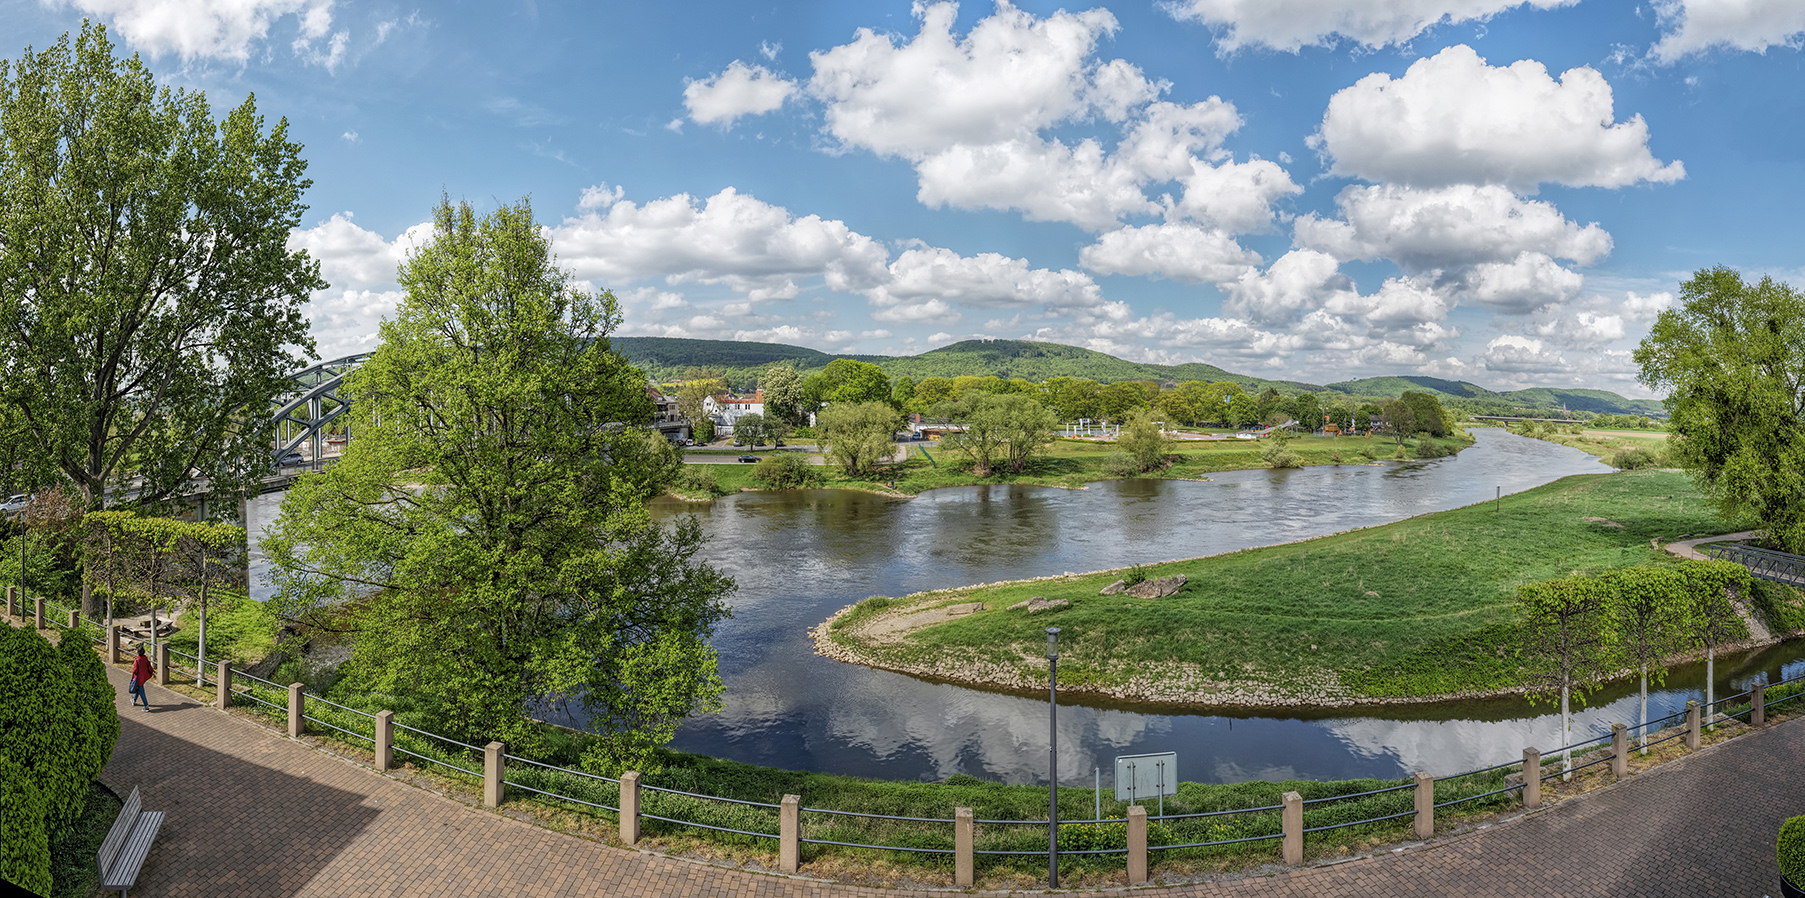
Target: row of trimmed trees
x,y
1579,631
161,562
57,730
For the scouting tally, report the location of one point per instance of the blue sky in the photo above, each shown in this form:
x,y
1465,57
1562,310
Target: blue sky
x,y
1489,190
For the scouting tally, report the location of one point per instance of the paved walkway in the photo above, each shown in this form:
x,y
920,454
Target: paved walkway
x,y
252,813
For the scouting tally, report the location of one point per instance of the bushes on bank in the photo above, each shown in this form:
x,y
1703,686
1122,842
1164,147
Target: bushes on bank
x,y
785,470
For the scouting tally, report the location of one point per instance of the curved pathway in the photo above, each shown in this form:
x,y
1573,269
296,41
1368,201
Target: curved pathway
x,y
253,813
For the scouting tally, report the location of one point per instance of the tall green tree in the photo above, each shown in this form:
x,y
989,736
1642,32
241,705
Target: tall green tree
x,y
785,399
697,386
850,380
1568,643
1144,442
1731,359
1650,607
859,435
485,535
752,429
999,430
150,305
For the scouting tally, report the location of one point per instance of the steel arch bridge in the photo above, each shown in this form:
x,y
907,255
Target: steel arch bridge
x,y
303,416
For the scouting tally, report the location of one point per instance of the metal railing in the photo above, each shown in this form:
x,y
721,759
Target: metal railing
x,y
1382,805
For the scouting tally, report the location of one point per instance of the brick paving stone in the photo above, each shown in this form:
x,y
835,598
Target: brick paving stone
x,y
253,813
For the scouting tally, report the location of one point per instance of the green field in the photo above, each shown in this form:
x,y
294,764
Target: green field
x,y
1414,609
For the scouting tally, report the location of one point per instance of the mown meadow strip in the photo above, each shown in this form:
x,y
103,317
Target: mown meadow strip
x,y
1415,609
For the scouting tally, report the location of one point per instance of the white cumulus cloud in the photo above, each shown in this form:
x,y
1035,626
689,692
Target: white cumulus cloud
x,y
1293,24
215,29
1011,76
1449,228
1179,251
1529,282
738,90
1693,26
1453,119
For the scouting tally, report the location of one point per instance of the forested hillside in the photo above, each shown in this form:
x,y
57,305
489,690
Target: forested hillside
x,y
667,359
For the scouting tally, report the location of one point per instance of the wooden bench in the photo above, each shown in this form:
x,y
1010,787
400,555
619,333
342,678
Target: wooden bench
x,y
127,843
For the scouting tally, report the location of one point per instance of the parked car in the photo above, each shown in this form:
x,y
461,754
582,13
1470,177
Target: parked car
x,y
14,503
290,459
749,458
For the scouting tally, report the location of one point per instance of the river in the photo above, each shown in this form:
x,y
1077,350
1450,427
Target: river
x,y
800,555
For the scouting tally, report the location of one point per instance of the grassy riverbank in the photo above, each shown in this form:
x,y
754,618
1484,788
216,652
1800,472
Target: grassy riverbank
x,y
1074,463
1415,609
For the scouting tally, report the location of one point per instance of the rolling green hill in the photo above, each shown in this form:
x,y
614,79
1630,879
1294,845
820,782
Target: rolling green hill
x,y
1480,400
667,358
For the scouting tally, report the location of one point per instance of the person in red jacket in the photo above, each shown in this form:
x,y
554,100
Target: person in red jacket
x,y
141,672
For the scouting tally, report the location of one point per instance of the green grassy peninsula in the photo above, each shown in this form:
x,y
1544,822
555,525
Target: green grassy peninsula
x,y
1416,610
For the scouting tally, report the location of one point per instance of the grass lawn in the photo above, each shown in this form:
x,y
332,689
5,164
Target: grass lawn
x,y
1413,609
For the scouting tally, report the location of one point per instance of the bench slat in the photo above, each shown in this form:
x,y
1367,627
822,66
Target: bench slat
x,y
125,868
122,828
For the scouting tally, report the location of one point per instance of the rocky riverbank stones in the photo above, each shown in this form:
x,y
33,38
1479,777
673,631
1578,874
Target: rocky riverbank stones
x,y
1040,603
1119,586
1157,588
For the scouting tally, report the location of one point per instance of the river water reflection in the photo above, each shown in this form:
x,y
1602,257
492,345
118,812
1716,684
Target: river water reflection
x,y
798,556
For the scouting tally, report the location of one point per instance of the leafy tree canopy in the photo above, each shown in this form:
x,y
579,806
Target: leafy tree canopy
x,y
150,305
485,535
859,435
1731,357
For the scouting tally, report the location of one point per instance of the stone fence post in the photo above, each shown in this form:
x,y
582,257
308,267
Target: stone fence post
x,y
224,682
1620,751
74,618
1758,705
297,710
789,834
1137,845
39,607
12,602
1532,778
495,787
1293,829
629,807
385,740
1425,805
965,868
113,645
1692,736
162,664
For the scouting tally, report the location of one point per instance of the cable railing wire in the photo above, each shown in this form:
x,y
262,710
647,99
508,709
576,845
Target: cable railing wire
x,y
593,776
1309,801
755,804
323,723
909,819
724,829
403,726
913,850
438,761
1317,829
514,785
1451,803
1216,843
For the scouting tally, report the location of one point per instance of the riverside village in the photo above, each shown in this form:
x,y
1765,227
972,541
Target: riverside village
x,y
1191,448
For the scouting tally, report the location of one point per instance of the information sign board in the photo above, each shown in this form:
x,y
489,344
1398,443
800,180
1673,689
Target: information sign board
x,y
1146,776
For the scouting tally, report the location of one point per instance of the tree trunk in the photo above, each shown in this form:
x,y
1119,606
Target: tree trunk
x,y
1645,709
1710,687
1566,737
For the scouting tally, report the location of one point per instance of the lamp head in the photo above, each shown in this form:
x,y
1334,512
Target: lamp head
x,y
1052,642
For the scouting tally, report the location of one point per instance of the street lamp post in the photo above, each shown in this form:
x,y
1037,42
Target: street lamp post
x,y
1053,757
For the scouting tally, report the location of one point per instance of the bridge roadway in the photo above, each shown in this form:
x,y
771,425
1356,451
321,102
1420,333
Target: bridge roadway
x,y
253,813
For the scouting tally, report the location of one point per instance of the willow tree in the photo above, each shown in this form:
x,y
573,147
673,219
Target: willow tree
x,y
1731,359
150,304
485,537
1568,644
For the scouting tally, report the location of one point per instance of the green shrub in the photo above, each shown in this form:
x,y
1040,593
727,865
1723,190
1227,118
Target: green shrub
x,y
45,727
1634,459
88,681
238,628
1136,574
697,479
25,852
703,431
1120,464
1782,606
1275,455
1789,850
785,471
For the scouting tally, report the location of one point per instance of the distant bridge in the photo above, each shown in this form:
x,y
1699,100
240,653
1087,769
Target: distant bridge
x,y
304,415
